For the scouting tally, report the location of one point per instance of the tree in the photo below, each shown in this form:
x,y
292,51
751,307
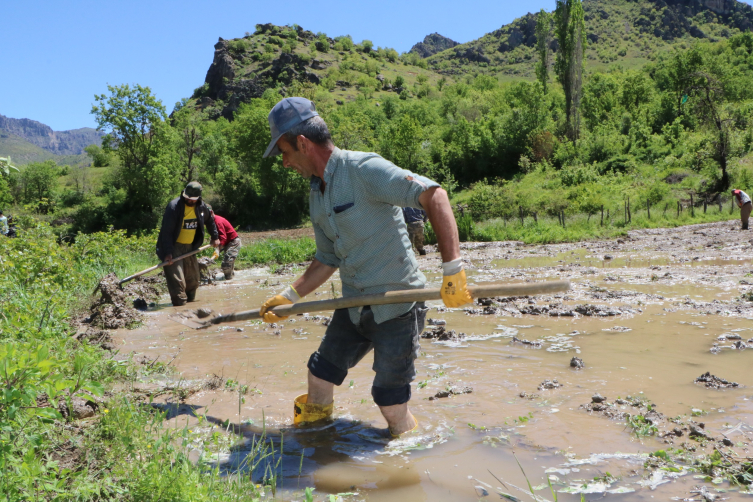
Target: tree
x,y
402,143
38,182
543,39
137,133
710,96
188,140
99,157
570,29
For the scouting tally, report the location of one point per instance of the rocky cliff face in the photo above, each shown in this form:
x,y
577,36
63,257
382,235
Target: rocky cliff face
x,y
433,44
70,142
231,80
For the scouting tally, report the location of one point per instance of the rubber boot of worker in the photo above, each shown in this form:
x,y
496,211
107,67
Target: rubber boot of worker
x,y
304,412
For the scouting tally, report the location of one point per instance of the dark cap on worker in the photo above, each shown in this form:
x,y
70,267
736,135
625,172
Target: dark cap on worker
x,y
192,190
287,114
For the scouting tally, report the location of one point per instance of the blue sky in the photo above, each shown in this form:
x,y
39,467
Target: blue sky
x,y
55,56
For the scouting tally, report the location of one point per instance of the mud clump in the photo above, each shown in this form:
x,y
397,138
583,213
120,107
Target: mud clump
x,y
97,337
114,310
203,312
577,363
213,383
550,384
598,398
714,382
439,333
77,409
451,391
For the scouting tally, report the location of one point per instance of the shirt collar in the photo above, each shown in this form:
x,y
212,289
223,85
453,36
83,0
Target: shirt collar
x,y
332,163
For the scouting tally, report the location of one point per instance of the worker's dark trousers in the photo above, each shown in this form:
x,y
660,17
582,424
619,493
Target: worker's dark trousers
x,y
182,276
745,214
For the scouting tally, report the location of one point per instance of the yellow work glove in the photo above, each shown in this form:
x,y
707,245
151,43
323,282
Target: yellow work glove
x,y
287,297
454,290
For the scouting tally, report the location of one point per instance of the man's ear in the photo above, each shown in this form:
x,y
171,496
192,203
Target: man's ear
x,y
303,143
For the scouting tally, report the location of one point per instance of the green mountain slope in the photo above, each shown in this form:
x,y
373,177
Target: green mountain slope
x,y
630,33
283,56
23,152
290,58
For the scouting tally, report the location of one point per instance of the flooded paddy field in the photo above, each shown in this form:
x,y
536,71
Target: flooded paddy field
x,y
592,391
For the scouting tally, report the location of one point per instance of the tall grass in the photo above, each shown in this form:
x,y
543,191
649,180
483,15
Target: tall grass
x,y
127,452
279,251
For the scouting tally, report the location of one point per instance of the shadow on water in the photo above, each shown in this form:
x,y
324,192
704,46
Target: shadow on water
x,y
295,452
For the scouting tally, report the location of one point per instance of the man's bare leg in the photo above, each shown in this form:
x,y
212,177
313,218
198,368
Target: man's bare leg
x,y
399,418
320,391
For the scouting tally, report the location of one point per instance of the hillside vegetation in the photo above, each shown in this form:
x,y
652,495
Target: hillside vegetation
x,y
628,33
675,128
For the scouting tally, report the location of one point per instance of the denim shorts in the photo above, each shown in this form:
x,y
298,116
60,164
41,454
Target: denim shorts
x,y
395,344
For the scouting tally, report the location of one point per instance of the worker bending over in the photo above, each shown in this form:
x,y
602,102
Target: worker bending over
x,y
355,206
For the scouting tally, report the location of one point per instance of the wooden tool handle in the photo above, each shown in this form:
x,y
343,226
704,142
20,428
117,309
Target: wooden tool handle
x,y
405,296
138,274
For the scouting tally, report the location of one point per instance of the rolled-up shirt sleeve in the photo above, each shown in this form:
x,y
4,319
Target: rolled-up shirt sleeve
x,y
385,182
325,248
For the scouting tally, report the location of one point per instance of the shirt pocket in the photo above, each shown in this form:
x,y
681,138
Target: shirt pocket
x,y
343,207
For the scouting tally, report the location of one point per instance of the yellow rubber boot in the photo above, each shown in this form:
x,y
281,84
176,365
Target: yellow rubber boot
x,y
304,412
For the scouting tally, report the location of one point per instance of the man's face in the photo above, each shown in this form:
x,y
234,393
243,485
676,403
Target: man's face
x,y
295,159
189,202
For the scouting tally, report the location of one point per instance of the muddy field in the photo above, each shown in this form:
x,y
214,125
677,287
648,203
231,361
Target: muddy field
x,y
635,385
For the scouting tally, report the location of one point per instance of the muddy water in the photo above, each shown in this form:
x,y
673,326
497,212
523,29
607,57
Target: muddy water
x,y
464,441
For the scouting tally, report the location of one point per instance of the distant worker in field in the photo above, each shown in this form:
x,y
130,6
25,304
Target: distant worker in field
x,y
4,228
745,205
415,219
355,203
182,232
230,244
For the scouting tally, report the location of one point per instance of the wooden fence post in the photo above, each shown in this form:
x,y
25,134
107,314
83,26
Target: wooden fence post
x,y
520,211
563,218
535,217
692,207
678,208
666,206
705,203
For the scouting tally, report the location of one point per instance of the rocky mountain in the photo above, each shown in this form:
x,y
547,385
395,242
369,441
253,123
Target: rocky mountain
x,y
70,142
432,44
285,56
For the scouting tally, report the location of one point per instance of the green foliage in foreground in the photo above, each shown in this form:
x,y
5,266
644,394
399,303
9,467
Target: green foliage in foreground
x,y
126,452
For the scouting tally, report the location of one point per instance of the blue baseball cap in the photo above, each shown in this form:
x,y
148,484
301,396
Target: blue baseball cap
x,y
287,114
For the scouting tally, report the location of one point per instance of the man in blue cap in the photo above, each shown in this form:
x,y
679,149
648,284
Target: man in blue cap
x,y
355,205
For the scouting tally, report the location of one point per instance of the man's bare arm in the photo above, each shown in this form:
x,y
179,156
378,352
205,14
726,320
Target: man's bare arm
x,y
314,276
437,206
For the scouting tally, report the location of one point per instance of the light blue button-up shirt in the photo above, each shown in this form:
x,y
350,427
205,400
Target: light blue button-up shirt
x,y
359,226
